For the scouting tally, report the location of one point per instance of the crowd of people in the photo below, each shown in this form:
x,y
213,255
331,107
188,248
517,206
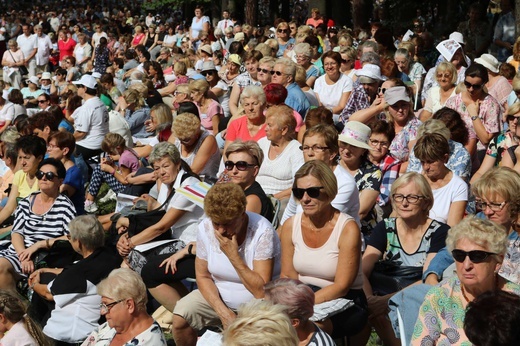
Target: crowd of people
x,y
288,170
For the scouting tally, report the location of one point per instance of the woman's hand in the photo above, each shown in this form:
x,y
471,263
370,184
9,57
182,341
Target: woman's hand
x,y
227,318
473,108
34,278
107,168
27,266
26,254
171,262
228,246
123,246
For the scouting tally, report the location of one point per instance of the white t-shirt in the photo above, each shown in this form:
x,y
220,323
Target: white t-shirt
x,y
27,44
44,50
456,190
92,118
330,95
278,174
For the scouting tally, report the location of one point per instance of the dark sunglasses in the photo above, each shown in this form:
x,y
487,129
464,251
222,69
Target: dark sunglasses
x,y
474,86
278,73
241,165
312,192
47,175
475,256
381,90
258,69
284,31
511,118
42,101
205,73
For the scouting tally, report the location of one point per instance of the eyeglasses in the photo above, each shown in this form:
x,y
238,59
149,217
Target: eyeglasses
x,y
106,307
376,143
240,165
381,90
178,93
42,101
493,206
314,148
412,199
474,86
312,192
511,118
47,175
258,69
51,147
475,256
445,75
283,31
205,73
278,73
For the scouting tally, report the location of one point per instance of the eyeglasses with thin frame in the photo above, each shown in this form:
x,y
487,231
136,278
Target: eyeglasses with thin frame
x,y
493,206
412,199
240,165
48,175
315,148
312,192
474,86
106,307
376,143
475,256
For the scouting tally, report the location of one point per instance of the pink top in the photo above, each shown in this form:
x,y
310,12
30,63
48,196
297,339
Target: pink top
x,y
206,118
237,129
66,47
501,90
137,39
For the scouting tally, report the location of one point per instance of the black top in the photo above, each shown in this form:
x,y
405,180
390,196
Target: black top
x,y
267,207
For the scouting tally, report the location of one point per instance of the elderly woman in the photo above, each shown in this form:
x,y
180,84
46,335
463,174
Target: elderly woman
x,y
133,107
322,248
197,146
283,37
123,303
283,156
303,58
446,76
238,252
333,88
217,86
353,151
40,219
298,300
478,247
252,125
409,240
82,52
320,142
480,111
139,37
210,110
12,59
450,193
409,70
181,215
74,288
264,69
250,77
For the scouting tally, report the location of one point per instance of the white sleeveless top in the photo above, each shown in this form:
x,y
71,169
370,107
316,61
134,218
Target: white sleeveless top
x,y
317,266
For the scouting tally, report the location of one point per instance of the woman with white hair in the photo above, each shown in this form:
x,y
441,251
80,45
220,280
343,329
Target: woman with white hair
x,y
303,57
123,303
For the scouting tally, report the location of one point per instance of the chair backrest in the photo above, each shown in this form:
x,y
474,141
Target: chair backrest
x,y
277,205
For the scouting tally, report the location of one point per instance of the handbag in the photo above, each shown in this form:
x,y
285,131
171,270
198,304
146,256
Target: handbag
x,y
389,277
23,70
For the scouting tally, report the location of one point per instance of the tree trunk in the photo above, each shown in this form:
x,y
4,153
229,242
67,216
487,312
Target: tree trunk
x,y
250,12
360,13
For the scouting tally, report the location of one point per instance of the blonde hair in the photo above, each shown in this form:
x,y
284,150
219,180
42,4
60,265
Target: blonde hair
x,y
200,86
446,66
249,147
323,173
124,283
186,125
225,202
420,182
134,95
111,141
498,181
180,68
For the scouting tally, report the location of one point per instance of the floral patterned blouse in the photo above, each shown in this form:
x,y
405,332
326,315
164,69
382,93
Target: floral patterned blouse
x,y
510,269
499,145
153,336
368,177
490,113
441,316
399,147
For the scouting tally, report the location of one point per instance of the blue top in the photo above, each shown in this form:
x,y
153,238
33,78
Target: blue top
x,y
75,179
297,100
136,121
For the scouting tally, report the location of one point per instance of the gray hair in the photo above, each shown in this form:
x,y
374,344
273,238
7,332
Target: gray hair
x,y
253,91
165,149
88,230
37,26
304,49
370,44
124,283
371,58
10,135
289,66
12,42
218,32
434,126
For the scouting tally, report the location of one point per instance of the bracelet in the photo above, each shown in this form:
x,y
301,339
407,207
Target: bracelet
x,y
47,243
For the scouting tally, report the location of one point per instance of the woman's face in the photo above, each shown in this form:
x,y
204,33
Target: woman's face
x,y
350,154
402,63
399,111
444,78
474,86
242,178
315,148
49,185
457,59
180,96
434,170
198,13
232,67
475,275
385,86
302,59
512,121
379,143
251,66
347,63
331,67
312,206
115,312
252,107
151,71
54,151
273,131
283,32
230,228
495,208
263,74
28,162
196,96
405,209
166,170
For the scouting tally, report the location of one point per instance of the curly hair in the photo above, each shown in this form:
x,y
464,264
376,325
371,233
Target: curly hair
x,y
186,125
225,202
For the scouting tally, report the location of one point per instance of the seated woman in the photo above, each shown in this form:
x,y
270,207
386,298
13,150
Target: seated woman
x,y
40,219
210,110
123,303
227,275
320,142
450,193
353,150
298,300
197,146
108,171
411,239
182,216
322,248
31,150
71,295
133,107
283,156
61,147
503,150
446,76
478,247
315,116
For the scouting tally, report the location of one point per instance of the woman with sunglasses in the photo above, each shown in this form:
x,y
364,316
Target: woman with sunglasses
x,y
217,86
283,37
40,219
410,239
480,111
322,247
478,247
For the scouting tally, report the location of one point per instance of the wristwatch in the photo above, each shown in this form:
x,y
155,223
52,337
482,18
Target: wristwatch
x,y
474,117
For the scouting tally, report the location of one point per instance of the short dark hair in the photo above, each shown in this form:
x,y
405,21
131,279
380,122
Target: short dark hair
x,y
64,139
454,123
42,119
60,168
477,70
383,127
32,145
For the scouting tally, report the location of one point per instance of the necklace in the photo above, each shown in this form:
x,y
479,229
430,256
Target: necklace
x,y
319,229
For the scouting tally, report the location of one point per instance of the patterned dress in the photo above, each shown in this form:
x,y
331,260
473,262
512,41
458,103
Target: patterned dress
x,y
399,146
153,336
368,177
102,59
